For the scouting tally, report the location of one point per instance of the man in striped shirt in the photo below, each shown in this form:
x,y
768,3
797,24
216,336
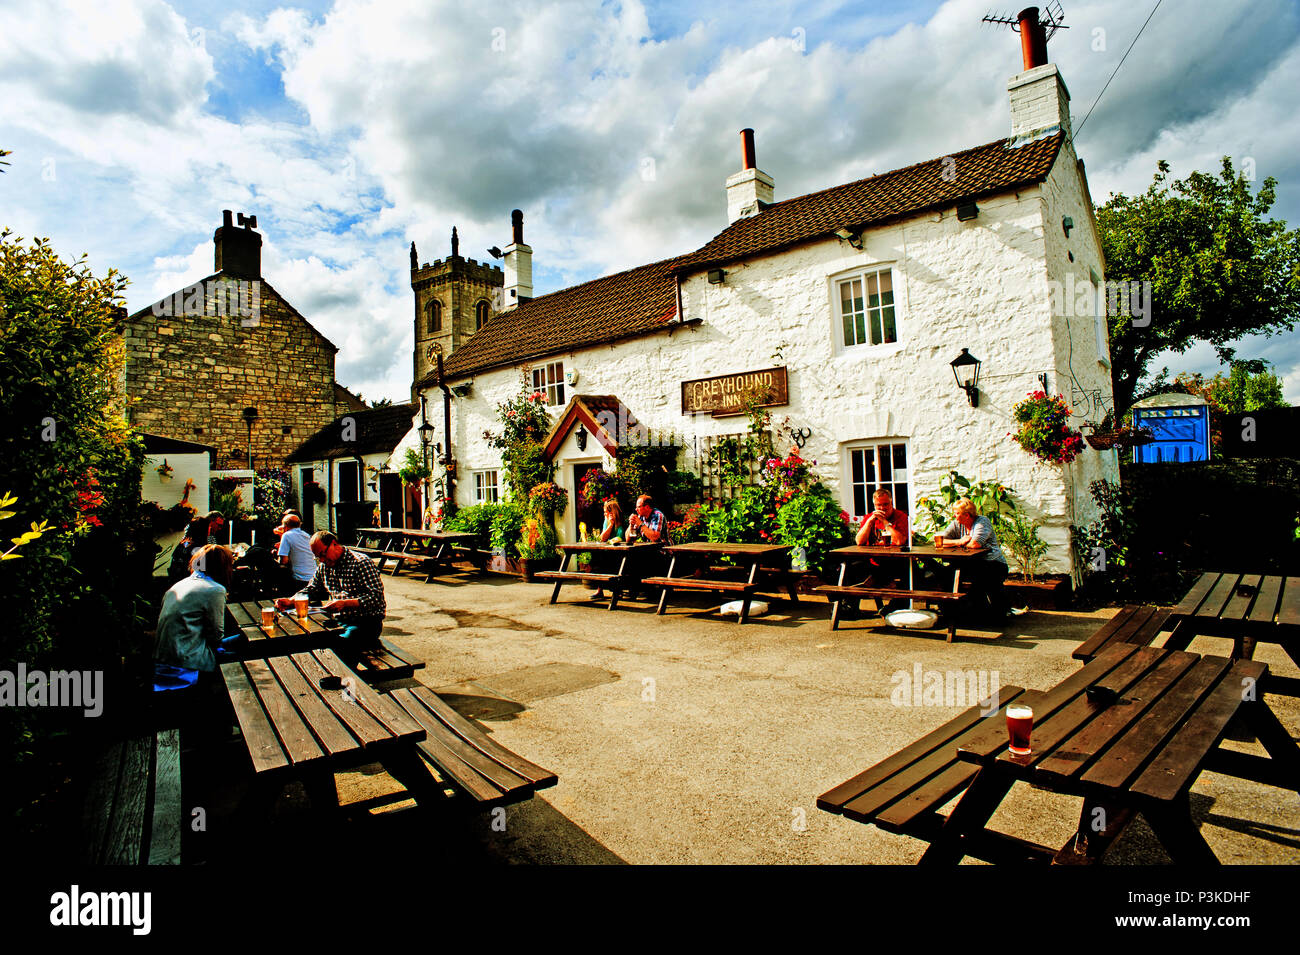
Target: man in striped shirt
x,y
361,610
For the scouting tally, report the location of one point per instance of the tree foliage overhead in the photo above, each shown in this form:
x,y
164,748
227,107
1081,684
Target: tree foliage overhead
x,y
1250,386
1218,268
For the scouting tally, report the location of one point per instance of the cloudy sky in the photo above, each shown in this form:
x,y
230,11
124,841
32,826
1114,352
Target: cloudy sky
x,y
352,128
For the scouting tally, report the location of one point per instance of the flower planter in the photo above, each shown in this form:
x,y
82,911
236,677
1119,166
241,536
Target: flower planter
x,y
521,566
1120,438
1044,592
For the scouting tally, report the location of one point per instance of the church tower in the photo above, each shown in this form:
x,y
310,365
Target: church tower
x,y
454,297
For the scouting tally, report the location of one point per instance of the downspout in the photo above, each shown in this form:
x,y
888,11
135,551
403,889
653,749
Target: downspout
x,y
448,462
329,501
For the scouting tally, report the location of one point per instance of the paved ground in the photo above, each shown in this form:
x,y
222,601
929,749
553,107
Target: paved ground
x,y
688,738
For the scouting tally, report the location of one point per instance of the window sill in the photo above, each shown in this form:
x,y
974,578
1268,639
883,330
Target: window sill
x,y
857,352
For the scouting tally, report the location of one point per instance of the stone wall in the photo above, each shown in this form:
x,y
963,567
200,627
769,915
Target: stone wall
x,y
191,372
459,284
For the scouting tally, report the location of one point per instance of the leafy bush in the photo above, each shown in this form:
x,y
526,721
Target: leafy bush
x,y
992,499
1105,544
508,528
476,519
748,518
684,488
270,495
646,469
525,423
814,522
526,466
538,539
1018,534
692,527
413,469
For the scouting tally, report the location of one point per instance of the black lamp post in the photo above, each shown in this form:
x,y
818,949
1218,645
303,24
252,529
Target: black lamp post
x,y
250,415
966,370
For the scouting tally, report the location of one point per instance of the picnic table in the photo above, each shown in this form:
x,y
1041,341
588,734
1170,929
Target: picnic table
x,y
754,556
1248,609
289,634
632,559
1129,732
296,728
836,593
435,549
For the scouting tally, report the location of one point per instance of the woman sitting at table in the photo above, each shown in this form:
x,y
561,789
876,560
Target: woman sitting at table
x,y
611,532
192,621
987,571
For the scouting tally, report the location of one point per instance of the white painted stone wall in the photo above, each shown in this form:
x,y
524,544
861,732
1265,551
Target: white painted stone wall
x,y
979,285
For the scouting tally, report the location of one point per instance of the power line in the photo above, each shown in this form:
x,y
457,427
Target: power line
x,y
1121,63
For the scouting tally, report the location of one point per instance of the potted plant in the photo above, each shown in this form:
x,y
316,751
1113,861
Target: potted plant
x,y
413,469
1018,535
1105,436
1045,431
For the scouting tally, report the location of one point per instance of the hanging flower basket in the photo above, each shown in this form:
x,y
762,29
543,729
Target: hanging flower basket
x,y
1044,428
1119,438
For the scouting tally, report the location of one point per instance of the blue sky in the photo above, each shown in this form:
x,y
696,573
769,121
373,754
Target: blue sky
x,y
351,128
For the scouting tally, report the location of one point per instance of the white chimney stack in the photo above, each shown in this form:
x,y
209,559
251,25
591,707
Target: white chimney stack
x,y
519,265
749,191
1039,99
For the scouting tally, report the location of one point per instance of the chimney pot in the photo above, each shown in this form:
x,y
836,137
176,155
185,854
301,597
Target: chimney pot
x,y
1033,38
747,148
237,251
517,226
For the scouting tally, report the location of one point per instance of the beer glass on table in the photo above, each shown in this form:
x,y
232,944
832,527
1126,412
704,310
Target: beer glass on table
x,y
300,605
1020,724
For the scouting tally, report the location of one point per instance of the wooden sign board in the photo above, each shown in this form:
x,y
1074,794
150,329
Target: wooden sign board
x,y
720,395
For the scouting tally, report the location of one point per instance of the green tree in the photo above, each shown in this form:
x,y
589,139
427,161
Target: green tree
x,y
1249,386
1218,268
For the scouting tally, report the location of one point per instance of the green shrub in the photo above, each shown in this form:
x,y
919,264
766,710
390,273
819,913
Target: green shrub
x,y
748,518
476,519
814,522
991,498
508,528
1018,534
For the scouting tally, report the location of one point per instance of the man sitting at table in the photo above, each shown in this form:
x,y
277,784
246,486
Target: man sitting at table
x,y
362,610
646,524
987,571
295,554
886,526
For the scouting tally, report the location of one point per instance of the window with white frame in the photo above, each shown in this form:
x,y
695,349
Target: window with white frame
x,y
486,487
866,308
1099,321
874,467
549,380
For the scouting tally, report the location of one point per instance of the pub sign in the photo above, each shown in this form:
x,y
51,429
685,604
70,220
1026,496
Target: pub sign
x,y
720,395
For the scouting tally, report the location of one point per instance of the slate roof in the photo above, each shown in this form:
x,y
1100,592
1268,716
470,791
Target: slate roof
x,y
378,429
644,299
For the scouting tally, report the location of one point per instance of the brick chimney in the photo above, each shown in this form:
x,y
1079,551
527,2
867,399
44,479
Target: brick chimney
x,y
519,264
1039,99
238,248
749,191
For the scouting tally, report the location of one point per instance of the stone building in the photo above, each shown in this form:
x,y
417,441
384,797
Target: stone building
x,y
454,298
851,303
200,361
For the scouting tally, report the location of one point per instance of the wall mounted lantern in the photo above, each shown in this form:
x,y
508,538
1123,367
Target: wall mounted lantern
x,y
580,436
966,369
250,415
849,236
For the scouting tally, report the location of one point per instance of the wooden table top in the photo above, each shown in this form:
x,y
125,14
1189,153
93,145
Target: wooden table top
x,y
610,545
1147,737
1247,600
248,618
729,550
288,720
916,550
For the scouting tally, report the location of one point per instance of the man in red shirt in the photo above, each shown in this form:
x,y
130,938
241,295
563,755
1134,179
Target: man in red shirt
x,y
886,526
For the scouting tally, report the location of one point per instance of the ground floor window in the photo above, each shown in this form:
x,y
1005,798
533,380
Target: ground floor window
x,y
486,487
873,466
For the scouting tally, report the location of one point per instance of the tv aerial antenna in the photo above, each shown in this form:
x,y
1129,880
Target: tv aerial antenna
x,y
1051,18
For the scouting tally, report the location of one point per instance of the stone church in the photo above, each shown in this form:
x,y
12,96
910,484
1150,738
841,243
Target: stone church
x,y
227,362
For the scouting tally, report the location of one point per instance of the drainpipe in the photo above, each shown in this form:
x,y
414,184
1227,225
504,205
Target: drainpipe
x,y
329,499
448,462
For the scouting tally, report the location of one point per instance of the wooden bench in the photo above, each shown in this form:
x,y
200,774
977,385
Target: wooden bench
x,y
904,793
835,594
133,805
482,772
1133,624
387,662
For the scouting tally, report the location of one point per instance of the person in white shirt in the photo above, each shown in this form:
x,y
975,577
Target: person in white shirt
x,y
295,553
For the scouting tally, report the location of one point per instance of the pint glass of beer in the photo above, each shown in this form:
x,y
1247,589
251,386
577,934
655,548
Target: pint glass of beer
x,y
268,619
300,605
1020,722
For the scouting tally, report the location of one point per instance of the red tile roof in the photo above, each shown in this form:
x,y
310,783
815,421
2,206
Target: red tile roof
x,y
644,299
